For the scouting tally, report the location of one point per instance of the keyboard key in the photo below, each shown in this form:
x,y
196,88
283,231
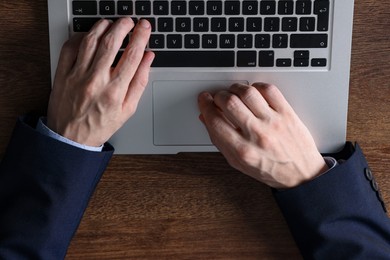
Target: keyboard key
x,y
227,41
174,41
218,24
236,24
83,24
142,7
262,41
245,41
250,7
157,41
209,41
303,7
125,7
289,24
267,7
301,62
253,24
196,7
201,24
321,9
285,7
307,24
194,59
107,7
271,24
321,6
323,22
301,54
165,24
307,41
160,7
232,7
279,41
192,41
84,7
214,7
266,58
246,59
283,63
183,24
178,7
318,62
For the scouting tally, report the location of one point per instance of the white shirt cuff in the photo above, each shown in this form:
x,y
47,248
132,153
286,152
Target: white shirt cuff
x,y
43,129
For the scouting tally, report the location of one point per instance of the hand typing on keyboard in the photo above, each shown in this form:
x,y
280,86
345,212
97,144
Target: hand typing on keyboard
x,y
91,100
260,135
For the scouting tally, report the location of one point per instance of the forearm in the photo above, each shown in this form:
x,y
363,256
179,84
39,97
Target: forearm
x,y
45,186
338,215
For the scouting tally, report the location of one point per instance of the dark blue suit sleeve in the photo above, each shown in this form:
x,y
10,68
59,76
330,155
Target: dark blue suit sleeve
x,y
339,215
45,186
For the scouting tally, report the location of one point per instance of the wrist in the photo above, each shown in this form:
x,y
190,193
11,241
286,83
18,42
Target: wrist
x,y
328,164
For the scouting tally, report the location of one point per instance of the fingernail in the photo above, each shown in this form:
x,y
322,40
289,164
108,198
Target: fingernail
x,y
144,23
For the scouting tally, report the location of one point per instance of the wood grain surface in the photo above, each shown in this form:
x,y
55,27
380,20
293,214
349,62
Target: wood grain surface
x,y
190,206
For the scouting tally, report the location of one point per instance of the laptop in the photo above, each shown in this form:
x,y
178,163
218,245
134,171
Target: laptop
x,y
301,46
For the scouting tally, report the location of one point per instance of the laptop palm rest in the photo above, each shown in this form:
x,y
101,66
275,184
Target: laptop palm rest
x,y
176,113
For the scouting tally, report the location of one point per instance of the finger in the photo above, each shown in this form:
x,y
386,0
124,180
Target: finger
x,y
235,110
138,83
274,97
90,43
69,54
131,58
110,44
252,98
222,132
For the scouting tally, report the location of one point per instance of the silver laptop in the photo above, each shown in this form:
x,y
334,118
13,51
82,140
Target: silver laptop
x,y
302,46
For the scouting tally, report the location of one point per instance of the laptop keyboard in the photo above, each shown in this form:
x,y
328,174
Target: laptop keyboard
x,y
284,34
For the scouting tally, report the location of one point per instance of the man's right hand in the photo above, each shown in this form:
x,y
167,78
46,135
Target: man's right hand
x,y
260,135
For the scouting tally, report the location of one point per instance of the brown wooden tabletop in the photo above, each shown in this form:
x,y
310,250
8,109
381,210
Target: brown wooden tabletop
x,y
190,206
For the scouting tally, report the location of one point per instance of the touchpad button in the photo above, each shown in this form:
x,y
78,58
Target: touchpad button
x,y
176,113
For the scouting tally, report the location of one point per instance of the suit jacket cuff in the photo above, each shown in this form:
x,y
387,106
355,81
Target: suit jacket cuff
x,y
45,186
339,212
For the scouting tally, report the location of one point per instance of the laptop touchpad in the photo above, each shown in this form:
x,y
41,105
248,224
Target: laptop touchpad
x,y
176,113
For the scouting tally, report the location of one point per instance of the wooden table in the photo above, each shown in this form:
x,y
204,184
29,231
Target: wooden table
x,y
190,206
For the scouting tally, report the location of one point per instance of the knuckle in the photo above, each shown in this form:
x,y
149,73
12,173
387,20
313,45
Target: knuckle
x,y
109,41
140,81
265,142
91,86
133,55
246,154
89,40
248,93
112,97
231,102
215,124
